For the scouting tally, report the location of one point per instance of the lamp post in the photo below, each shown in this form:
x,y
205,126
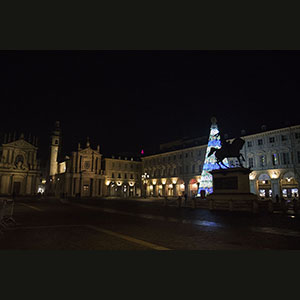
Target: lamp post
x,y
145,177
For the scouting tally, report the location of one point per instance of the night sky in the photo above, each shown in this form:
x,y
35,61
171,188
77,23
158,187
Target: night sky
x,y
129,100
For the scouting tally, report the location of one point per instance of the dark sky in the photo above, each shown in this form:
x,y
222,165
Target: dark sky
x,y
128,100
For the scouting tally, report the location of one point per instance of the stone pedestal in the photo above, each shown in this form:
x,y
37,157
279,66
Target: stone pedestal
x,y
232,190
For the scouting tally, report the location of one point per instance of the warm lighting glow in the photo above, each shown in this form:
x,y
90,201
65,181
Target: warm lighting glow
x,y
154,181
163,180
274,175
119,183
199,179
107,182
174,180
252,176
151,187
182,186
43,181
170,186
131,183
160,186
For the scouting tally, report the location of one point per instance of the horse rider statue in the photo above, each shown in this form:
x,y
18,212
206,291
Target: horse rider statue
x,y
228,150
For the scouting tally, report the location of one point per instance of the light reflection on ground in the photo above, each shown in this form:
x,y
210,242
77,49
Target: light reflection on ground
x,y
270,230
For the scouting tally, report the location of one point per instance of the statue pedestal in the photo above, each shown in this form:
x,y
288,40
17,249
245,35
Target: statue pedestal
x,y
232,191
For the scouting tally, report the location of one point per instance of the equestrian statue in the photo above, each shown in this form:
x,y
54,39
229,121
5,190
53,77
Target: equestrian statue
x,y
228,150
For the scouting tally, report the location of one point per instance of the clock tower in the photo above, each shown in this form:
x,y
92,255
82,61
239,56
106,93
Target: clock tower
x,y
54,149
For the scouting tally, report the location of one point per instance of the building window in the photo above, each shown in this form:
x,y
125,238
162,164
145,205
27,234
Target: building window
x,y
119,175
186,169
271,140
274,159
125,176
112,175
249,143
186,155
297,135
131,176
298,156
262,160
260,142
56,142
285,158
251,162
180,156
284,138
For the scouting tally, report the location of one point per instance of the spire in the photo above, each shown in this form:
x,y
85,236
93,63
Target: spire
x,y
98,148
57,125
88,142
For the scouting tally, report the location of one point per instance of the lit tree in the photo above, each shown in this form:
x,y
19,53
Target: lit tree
x,y
210,163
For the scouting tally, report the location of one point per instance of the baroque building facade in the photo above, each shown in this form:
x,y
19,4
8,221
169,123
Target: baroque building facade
x,y
19,167
273,156
122,177
77,175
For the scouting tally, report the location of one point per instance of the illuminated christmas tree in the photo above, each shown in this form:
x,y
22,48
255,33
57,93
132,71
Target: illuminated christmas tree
x,y
210,163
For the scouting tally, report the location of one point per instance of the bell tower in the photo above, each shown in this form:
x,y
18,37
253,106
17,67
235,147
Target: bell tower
x,y
54,149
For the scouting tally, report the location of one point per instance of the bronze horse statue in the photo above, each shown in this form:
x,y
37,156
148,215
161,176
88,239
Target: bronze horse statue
x,y
228,150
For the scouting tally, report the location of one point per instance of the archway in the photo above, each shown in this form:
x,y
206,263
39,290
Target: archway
x,y
264,186
289,185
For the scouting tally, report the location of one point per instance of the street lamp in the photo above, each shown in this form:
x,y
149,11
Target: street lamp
x,y
145,177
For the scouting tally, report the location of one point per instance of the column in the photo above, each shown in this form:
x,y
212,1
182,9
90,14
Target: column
x,y
253,187
275,186
11,185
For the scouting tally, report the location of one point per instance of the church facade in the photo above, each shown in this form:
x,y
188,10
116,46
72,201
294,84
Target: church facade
x,y
19,167
78,175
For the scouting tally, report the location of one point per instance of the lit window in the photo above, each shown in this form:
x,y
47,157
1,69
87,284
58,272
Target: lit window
x,y
262,160
274,159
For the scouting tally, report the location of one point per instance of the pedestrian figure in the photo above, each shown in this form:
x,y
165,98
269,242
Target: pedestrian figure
x,y
166,200
185,199
295,205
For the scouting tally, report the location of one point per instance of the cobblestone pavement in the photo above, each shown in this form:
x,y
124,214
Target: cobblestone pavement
x,y
144,225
